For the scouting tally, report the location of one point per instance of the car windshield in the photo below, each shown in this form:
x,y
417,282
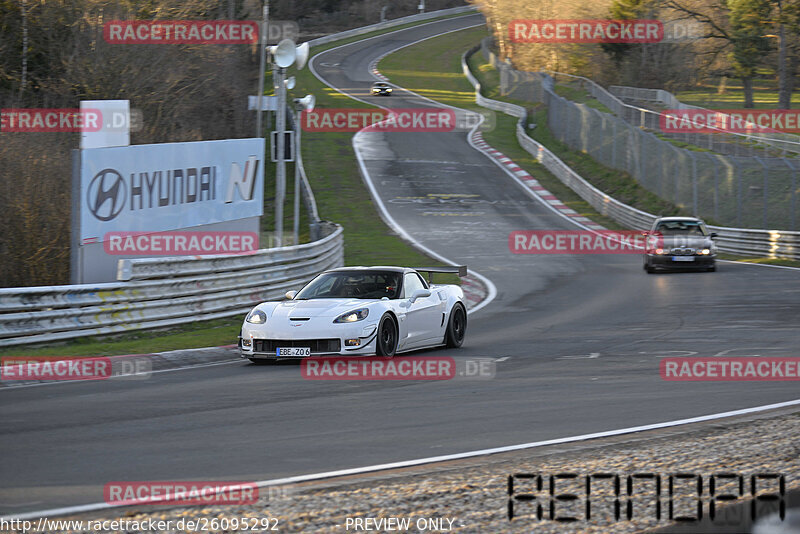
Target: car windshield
x,y
680,228
353,284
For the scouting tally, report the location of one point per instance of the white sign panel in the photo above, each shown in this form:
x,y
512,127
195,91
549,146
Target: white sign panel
x,y
169,186
115,121
268,103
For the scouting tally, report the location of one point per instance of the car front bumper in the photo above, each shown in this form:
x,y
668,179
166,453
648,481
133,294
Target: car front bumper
x,y
262,342
666,261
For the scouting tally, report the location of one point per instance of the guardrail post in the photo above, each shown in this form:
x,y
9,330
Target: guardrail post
x,y
793,191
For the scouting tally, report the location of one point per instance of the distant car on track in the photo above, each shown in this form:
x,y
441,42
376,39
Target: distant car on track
x,y
358,311
381,88
679,243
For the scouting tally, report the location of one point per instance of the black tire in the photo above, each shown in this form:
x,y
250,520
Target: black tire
x,y
456,327
649,269
386,340
712,269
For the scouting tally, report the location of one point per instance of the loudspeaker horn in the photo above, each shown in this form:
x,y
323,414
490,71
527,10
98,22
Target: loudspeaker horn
x,y
302,56
285,53
307,102
290,82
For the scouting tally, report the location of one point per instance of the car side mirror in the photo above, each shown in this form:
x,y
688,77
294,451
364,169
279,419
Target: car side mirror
x,y
712,235
419,294
291,294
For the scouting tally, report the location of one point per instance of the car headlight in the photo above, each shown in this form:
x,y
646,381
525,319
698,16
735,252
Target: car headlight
x,y
256,317
662,251
353,316
705,251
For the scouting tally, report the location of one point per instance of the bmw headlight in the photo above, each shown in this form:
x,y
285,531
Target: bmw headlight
x,y
256,317
705,251
353,316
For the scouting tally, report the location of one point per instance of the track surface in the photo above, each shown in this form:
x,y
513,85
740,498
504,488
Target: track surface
x,y
581,335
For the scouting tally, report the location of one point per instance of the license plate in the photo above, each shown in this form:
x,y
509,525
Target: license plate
x,y
683,258
292,352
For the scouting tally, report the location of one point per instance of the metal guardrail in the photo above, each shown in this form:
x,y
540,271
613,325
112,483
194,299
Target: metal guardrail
x,y
389,24
765,243
164,292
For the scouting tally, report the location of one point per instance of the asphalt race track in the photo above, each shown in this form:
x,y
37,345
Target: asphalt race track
x,y
579,339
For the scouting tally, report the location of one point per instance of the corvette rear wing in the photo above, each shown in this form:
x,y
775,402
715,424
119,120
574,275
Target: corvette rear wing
x,y
460,270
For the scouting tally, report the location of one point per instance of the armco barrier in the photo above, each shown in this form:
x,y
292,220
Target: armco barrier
x,y
164,292
389,24
765,243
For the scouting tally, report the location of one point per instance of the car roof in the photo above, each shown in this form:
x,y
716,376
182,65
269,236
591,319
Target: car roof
x,y
373,268
668,219
380,83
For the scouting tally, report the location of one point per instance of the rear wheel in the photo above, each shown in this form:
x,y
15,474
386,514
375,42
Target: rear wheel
x,y
386,344
456,327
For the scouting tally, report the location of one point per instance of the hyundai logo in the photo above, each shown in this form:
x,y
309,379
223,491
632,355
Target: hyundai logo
x,y
106,195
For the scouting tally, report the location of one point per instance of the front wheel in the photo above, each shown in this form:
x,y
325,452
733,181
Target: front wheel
x,y
456,327
386,344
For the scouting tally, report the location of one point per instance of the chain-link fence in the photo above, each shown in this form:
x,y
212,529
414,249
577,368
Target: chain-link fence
x,y
756,190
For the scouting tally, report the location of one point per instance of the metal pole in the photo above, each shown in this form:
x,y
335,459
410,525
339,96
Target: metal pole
x,y
694,184
716,187
738,195
280,172
793,189
763,191
296,220
262,62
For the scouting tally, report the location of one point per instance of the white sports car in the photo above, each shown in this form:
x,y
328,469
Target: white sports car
x,y
358,311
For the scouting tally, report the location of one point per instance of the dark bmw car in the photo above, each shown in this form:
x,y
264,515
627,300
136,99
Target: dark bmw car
x,y
679,243
381,88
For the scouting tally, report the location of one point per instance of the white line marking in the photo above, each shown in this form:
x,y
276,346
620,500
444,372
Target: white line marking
x,y
435,459
388,219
